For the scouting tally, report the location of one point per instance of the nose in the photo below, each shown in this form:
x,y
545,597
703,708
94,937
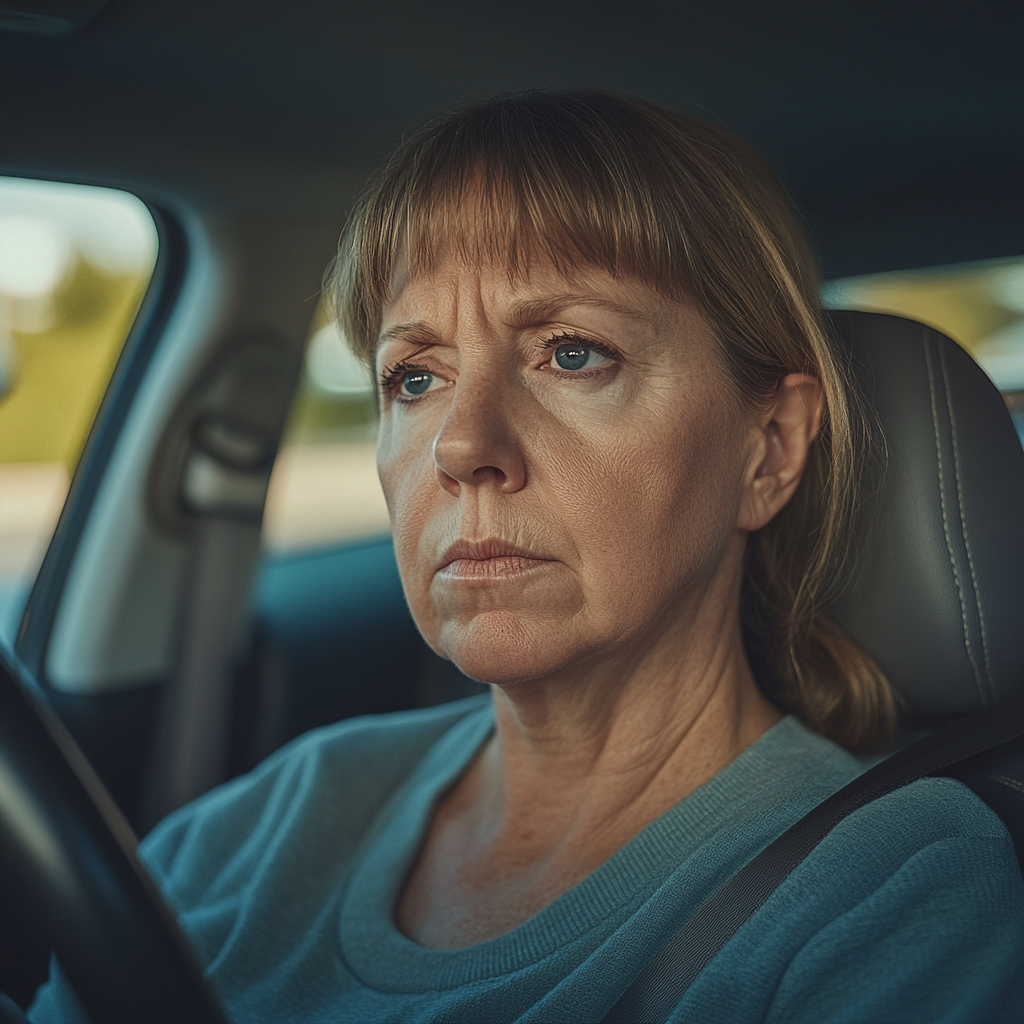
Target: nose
x,y
479,443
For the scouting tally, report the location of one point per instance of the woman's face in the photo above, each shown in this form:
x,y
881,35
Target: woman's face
x,y
563,461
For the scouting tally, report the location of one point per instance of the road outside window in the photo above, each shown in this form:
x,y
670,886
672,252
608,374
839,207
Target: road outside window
x,y
979,305
75,261
324,489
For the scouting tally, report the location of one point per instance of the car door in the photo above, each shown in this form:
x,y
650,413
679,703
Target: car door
x,y
159,497
77,264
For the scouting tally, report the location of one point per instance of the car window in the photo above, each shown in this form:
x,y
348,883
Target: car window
x,y
324,489
75,261
979,305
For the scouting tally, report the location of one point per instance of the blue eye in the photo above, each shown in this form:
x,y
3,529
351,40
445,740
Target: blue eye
x,y
578,357
407,381
416,383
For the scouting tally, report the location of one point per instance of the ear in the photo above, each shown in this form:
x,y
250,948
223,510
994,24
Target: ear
x,y
781,438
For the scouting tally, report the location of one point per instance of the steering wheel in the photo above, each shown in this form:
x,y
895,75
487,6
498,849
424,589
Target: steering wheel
x,y
67,858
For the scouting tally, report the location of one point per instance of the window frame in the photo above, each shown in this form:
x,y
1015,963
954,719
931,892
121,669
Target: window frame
x,y
157,306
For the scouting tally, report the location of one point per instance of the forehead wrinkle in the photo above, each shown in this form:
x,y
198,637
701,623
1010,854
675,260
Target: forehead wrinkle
x,y
530,312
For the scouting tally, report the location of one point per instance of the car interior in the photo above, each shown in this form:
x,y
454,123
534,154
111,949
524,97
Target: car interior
x,y
187,607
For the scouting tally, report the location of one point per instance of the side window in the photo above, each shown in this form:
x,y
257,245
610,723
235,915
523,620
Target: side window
x,y
75,261
324,489
980,305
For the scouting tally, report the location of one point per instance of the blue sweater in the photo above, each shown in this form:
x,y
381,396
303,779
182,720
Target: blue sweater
x,y
286,880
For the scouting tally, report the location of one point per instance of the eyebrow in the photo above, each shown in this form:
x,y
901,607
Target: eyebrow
x,y
417,333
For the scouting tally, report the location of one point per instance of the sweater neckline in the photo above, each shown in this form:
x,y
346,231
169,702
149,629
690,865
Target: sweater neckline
x,y
383,958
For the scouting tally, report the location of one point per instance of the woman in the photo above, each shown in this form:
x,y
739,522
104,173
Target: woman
x,y
619,454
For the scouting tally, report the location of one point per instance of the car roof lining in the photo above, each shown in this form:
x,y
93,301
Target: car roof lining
x,y
899,129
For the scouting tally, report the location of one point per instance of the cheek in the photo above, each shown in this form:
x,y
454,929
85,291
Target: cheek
x,y
405,461
654,501
409,482
399,466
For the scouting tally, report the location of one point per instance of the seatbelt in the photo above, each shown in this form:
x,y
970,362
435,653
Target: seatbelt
x,y
191,747
662,984
208,486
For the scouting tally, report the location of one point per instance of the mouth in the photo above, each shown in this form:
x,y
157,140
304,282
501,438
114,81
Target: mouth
x,y
488,559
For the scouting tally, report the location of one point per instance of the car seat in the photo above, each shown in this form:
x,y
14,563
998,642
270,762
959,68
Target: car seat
x,y
937,596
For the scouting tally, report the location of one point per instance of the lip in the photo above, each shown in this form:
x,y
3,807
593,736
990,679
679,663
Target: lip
x,y
491,558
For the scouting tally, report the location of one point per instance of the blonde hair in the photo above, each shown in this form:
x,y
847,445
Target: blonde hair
x,y
681,206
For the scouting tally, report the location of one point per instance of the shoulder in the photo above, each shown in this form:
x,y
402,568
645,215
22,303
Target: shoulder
x,y
931,840
930,821
929,860
334,779
806,767
917,816
912,908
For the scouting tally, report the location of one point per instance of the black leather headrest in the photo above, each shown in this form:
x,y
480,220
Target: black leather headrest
x,y
937,596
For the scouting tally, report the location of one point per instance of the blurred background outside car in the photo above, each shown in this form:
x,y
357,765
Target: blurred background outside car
x,y
74,265
75,262
324,488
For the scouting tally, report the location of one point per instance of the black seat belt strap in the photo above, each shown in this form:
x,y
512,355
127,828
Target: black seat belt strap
x,y
661,985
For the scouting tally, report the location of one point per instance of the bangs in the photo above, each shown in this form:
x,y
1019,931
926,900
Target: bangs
x,y
500,217
524,179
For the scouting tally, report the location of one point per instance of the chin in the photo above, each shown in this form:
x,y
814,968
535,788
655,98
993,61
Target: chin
x,y
499,647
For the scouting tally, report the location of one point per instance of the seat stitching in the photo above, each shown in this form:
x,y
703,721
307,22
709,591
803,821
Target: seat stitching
x,y
963,522
1007,781
945,519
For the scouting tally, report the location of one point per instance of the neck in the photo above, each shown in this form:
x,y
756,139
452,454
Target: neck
x,y
579,764
609,746
613,750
